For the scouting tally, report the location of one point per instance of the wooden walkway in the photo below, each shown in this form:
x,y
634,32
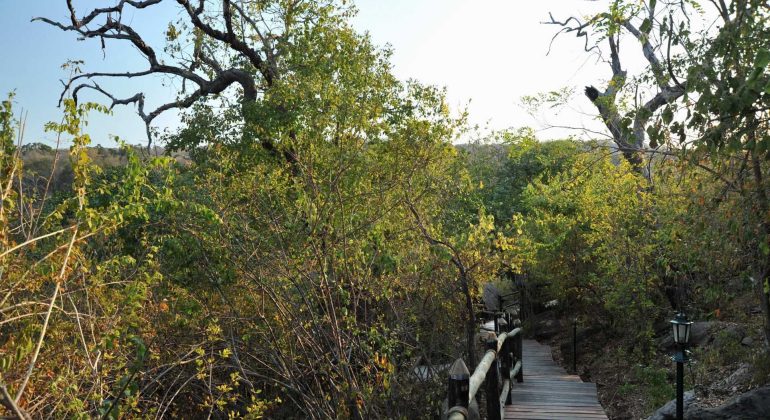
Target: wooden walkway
x,y
548,392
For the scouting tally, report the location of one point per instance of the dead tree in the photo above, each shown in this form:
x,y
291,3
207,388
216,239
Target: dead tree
x,y
629,130
234,43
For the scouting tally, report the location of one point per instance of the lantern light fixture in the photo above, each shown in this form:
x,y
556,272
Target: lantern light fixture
x,y
681,326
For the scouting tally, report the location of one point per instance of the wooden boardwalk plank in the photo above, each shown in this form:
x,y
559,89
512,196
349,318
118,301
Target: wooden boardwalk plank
x,y
549,392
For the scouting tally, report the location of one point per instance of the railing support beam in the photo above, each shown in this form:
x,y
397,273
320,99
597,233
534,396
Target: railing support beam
x,y
506,364
492,385
519,355
501,362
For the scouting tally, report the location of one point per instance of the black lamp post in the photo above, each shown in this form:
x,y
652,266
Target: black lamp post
x,y
681,327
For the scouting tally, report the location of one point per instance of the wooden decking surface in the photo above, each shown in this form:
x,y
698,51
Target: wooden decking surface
x,y
549,392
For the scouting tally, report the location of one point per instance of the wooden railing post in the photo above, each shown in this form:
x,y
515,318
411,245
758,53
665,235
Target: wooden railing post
x,y
519,353
506,364
492,385
502,361
458,389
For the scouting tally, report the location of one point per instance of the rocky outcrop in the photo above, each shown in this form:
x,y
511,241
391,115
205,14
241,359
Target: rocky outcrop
x,y
705,333
754,404
491,297
737,381
668,411
545,326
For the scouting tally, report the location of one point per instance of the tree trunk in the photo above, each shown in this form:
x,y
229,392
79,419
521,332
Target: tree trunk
x,y
761,275
470,327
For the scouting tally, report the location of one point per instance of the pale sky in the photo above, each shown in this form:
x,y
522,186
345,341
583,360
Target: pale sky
x,y
488,52
491,53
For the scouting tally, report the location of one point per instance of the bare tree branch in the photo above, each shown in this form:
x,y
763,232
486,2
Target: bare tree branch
x,y
219,78
666,96
229,38
649,52
630,140
7,401
579,29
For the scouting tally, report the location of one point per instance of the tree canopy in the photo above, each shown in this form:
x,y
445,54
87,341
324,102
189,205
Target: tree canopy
x,y
318,231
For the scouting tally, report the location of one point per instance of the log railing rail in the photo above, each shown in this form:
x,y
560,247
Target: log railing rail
x,y
501,364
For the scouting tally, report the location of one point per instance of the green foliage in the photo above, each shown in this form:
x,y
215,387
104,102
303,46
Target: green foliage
x,y
287,269
327,234
72,246
10,164
620,250
587,231
504,169
731,84
654,384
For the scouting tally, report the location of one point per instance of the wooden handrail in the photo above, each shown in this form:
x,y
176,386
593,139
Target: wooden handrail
x,y
503,356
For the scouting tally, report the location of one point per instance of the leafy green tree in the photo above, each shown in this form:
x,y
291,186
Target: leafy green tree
x,y
503,168
585,232
64,280
728,119
298,266
708,102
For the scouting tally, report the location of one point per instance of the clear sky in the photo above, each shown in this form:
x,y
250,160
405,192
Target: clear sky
x,y
488,52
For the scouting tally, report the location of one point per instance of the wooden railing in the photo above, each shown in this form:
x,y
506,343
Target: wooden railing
x,y
502,362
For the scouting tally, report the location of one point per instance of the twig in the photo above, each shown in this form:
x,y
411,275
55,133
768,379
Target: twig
x,y
56,289
7,402
23,244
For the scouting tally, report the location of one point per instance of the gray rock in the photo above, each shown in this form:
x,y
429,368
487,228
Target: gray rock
x,y
583,335
738,380
545,326
547,329
747,341
704,333
728,334
754,404
700,335
668,411
491,297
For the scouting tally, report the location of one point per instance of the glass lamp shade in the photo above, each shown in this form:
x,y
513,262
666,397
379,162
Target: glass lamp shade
x,y
681,327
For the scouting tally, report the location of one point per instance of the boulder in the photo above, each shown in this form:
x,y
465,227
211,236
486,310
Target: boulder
x,y
491,297
545,325
583,337
547,328
700,334
703,333
754,404
737,381
730,334
668,411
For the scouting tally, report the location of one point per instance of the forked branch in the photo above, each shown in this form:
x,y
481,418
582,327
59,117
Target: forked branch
x,y
206,71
